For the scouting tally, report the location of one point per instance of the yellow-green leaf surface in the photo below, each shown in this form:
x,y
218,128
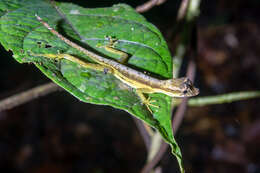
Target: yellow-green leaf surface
x,y
21,33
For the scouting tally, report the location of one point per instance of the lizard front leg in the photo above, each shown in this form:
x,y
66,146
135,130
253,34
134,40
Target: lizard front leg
x,y
146,101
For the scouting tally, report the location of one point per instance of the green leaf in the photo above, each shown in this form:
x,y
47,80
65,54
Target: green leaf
x,y
21,33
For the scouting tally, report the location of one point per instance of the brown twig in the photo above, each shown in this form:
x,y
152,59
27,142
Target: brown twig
x,y
179,115
149,166
158,170
27,96
183,10
148,5
181,16
144,133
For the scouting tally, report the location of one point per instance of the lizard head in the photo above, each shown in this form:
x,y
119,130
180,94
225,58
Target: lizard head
x,y
180,87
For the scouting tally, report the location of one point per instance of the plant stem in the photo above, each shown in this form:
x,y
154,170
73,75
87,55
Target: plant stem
x,y
27,96
220,99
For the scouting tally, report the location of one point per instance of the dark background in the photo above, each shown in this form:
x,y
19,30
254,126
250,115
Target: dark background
x,y
58,133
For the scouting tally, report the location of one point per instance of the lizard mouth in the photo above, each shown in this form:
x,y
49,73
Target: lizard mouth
x,y
191,92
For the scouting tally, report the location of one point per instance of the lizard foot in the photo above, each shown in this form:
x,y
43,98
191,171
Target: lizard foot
x,y
148,102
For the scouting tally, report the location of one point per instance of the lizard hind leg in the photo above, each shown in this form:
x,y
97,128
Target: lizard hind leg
x,y
146,101
110,47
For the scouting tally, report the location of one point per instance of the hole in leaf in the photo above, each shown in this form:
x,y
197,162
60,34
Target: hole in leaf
x,y
48,46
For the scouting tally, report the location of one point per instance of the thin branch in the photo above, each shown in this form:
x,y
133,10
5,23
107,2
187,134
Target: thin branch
x,y
179,115
27,96
183,10
223,98
158,170
156,141
144,133
149,166
148,5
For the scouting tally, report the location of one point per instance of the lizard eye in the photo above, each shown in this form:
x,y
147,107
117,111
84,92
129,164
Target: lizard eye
x,y
187,84
185,92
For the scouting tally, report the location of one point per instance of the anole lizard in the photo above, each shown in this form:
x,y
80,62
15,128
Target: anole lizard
x,y
176,87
